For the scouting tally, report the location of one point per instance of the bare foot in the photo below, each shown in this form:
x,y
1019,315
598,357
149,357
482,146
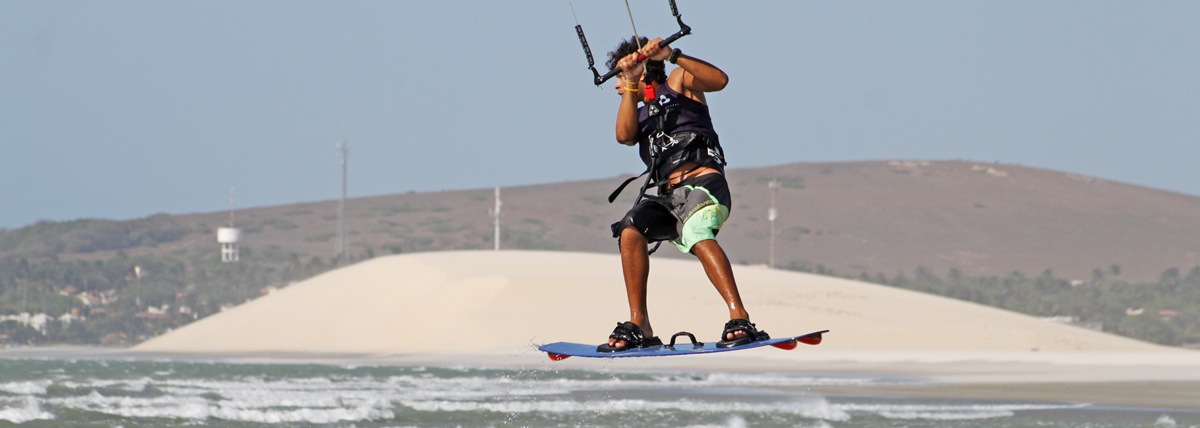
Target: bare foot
x,y
740,329
734,335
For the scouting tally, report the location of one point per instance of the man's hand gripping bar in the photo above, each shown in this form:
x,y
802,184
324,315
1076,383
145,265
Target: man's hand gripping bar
x,y
684,30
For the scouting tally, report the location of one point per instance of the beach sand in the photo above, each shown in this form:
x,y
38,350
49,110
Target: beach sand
x,y
489,308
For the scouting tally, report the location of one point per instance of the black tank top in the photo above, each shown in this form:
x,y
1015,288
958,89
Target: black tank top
x,y
673,114
683,114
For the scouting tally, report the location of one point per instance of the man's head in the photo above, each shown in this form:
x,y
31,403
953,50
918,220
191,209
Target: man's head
x,y
655,70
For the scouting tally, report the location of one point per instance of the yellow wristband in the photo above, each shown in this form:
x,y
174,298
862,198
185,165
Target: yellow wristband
x,y
634,89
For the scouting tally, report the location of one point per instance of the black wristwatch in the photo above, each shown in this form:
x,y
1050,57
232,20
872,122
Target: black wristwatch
x,y
675,53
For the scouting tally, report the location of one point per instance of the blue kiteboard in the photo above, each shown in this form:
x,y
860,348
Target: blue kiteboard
x,y
562,350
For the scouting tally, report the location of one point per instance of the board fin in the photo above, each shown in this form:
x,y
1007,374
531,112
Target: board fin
x,y
787,346
557,357
811,338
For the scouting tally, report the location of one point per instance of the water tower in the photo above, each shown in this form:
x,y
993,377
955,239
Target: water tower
x,y
228,238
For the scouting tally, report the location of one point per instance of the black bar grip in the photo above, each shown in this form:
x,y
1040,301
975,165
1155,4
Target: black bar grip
x,y
611,73
583,41
672,38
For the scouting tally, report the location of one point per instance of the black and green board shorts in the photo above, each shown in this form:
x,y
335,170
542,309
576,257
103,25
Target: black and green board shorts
x,y
692,211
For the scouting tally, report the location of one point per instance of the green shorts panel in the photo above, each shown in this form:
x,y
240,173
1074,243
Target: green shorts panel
x,y
703,222
693,211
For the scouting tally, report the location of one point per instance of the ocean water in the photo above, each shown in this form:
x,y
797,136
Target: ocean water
x,y
124,392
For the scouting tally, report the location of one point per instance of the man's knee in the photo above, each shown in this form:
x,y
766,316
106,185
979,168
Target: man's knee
x,y
703,247
621,226
631,234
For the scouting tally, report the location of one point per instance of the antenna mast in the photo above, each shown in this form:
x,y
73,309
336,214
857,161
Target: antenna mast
x,y
231,205
771,215
496,220
341,250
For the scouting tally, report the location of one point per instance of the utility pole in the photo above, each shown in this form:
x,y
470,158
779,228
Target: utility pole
x,y
341,250
771,215
496,220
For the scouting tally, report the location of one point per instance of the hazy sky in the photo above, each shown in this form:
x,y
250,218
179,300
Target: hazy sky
x,y
119,109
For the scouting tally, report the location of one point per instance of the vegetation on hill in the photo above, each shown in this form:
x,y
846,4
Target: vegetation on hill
x,y
125,299
69,286
1165,312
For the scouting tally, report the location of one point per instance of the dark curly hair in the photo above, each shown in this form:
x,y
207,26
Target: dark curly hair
x,y
655,70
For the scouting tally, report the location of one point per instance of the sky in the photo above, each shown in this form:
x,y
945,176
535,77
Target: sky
x,y
125,109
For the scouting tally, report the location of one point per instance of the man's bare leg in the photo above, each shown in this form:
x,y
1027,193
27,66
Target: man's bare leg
x,y
635,265
720,273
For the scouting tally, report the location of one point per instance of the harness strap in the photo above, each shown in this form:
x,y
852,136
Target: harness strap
x,y
613,196
654,110
691,151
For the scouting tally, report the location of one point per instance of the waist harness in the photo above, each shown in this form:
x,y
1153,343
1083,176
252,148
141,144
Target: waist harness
x,y
666,152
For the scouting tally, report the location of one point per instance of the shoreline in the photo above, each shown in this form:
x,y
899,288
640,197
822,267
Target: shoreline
x,y
1144,395
1093,379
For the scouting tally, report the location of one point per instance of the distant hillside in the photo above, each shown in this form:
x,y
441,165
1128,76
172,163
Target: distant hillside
x,y
842,218
1107,255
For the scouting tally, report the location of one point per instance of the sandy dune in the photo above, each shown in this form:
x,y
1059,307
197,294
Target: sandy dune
x,y
464,302
489,308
